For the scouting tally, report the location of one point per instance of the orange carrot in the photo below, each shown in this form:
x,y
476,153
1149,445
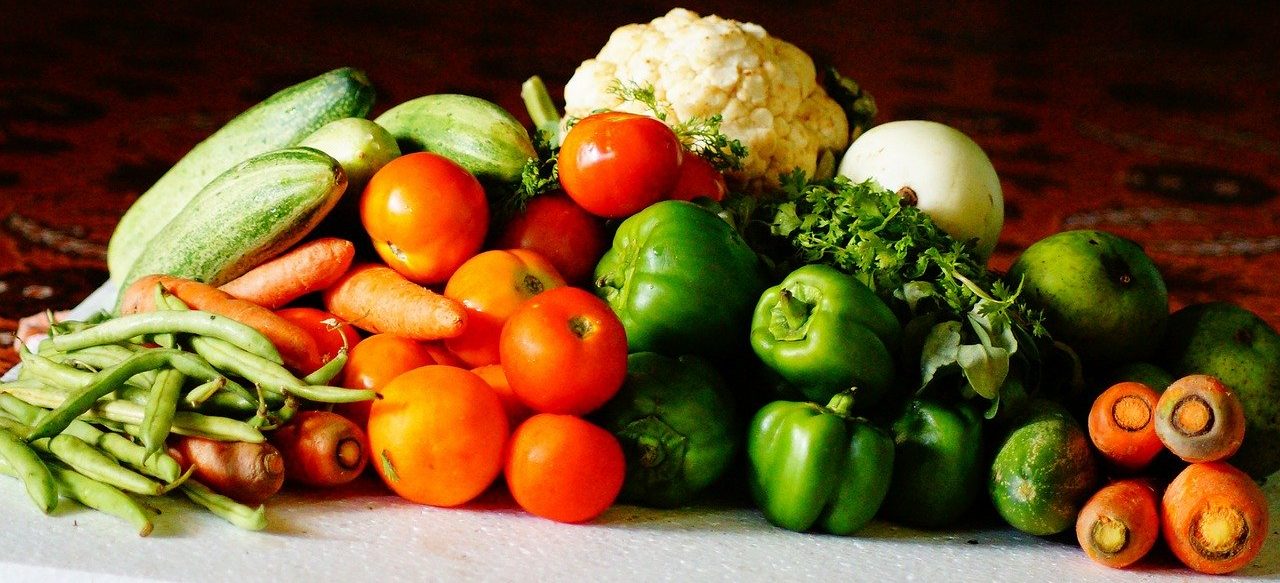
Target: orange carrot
x,y
1122,425
1199,419
296,346
1214,517
321,449
249,473
377,299
1120,524
308,268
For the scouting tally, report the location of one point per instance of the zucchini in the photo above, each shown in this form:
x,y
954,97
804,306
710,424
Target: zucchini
x,y
247,215
477,134
279,121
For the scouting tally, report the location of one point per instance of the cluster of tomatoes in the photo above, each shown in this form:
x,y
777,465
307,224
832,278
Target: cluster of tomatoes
x,y
508,396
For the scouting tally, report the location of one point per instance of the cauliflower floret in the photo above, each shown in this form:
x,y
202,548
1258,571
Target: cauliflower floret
x,y
766,89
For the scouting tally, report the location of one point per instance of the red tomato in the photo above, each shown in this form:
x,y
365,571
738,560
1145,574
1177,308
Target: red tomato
x,y
425,215
561,231
614,164
330,333
698,178
564,351
564,468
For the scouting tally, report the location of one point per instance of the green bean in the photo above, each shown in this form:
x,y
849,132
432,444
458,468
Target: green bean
x,y
226,508
105,381
157,416
190,322
28,467
324,374
83,458
100,357
255,369
167,339
327,394
102,497
202,392
45,369
127,412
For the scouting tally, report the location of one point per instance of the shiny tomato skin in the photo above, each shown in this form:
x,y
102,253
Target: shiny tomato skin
x,y
425,215
491,286
330,333
699,179
572,239
614,164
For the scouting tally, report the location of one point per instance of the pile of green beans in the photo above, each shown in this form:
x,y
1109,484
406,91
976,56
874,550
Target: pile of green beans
x,y
89,414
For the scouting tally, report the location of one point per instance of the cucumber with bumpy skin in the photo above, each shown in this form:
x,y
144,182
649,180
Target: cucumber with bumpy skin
x,y
477,134
280,121
247,215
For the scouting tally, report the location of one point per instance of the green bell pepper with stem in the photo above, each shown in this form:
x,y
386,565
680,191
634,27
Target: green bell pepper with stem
x,y
681,280
676,422
939,469
813,466
823,332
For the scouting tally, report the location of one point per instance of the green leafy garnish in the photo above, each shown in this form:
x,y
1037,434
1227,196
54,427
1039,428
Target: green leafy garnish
x,y
971,325
700,135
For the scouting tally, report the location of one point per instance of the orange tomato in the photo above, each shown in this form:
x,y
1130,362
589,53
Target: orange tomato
x,y
373,363
561,231
564,351
330,333
564,468
437,436
425,215
516,410
492,285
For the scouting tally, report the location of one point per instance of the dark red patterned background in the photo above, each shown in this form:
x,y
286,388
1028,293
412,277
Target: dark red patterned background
x,y
1159,121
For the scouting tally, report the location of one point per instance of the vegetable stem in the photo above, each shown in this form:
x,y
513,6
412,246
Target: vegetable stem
x,y
542,110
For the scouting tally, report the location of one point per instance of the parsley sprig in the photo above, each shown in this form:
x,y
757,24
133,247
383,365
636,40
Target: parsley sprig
x,y
700,135
970,321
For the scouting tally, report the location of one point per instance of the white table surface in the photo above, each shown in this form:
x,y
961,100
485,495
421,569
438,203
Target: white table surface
x,y
362,533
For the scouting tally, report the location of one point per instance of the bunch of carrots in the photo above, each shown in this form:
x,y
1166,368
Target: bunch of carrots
x,y
1212,516
496,368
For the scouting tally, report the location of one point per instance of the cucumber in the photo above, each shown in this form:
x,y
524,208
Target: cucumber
x,y
279,121
361,146
477,134
247,215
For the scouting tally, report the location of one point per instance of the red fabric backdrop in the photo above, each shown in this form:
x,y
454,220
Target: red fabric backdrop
x,y
1157,121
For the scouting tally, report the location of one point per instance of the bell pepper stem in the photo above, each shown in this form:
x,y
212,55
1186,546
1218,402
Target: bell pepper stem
x,y
794,311
841,403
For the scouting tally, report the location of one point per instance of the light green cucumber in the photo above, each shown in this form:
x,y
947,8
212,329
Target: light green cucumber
x,y
280,121
361,146
247,215
477,134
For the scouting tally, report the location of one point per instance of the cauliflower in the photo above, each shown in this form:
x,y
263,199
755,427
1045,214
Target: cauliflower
x,y
766,89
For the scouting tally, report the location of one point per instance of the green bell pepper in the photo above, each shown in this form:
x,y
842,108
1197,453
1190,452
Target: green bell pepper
x,y
823,332
681,280
815,466
675,420
939,469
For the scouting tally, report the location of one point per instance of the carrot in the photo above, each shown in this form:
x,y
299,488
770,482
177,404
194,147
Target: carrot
x,y
322,449
378,299
296,346
1199,419
1122,425
248,473
308,268
1214,517
1120,524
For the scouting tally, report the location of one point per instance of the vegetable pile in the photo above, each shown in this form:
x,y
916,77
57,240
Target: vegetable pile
x,y
685,288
